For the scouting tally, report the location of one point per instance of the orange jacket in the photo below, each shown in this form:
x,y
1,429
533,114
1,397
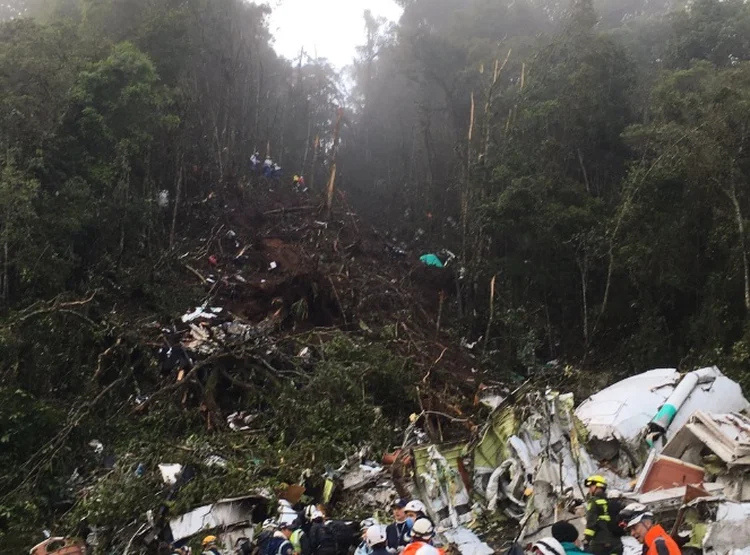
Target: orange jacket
x,y
658,542
422,548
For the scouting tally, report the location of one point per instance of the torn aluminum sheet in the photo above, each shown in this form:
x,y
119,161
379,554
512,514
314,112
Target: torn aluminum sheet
x,y
468,542
729,533
381,495
532,444
667,500
719,444
170,472
240,421
223,515
618,417
726,435
490,396
360,477
443,487
201,312
285,513
97,446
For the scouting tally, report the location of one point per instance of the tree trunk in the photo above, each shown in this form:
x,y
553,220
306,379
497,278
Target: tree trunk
x,y
732,194
583,267
332,179
178,194
316,147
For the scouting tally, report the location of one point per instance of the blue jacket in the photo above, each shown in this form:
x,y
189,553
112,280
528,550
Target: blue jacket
x,y
396,534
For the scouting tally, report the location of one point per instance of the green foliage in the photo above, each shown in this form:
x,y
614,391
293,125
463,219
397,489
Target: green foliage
x,y
356,395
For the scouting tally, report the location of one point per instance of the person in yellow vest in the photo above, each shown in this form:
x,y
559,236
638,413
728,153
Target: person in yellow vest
x,y
598,536
300,542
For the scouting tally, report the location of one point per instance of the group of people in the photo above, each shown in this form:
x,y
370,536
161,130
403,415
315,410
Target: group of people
x,y
605,525
413,533
269,168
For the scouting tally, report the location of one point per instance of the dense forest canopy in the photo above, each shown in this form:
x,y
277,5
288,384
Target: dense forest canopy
x,y
589,160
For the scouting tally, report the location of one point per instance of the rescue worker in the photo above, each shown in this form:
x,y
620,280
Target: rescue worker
x,y
267,167
255,161
568,536
209,546
300,541
243,546
280,544
266,533
376,540
652,536
322,539
397,532
414,510
598,537
276,171
364,547
422,534
547,546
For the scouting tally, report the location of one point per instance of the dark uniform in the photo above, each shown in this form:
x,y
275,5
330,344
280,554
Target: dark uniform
x,y
598,535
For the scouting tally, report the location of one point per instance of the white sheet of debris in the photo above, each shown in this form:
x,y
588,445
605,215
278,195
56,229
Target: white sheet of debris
x,y
618,415
468,542
730,534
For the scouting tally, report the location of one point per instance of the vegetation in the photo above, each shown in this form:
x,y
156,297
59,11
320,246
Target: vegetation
x,y
589,160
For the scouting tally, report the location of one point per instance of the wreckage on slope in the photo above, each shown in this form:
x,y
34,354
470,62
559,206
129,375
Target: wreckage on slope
x,y
661,438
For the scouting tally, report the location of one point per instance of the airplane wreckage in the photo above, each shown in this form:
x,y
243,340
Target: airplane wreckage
x,y
677,443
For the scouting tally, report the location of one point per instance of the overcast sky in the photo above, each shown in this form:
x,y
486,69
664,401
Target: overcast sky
x,y
332,28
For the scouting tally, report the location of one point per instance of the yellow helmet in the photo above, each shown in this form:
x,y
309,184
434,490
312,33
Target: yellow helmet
x,y
208,540
596,480
296,178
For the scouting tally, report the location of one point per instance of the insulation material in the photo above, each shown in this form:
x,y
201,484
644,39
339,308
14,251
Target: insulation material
x,y
444,490
468,542
225,514
730,533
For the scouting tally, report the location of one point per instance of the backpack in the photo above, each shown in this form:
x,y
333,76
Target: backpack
x,y
615,506
345,533
273,545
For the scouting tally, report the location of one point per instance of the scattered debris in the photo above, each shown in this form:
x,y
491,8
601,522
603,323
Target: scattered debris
x,y
468,542
97,446
240,421
59,546
170,472
201,312
658,403
163,199
431,260
228,519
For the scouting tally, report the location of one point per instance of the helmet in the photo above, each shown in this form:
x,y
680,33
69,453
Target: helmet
x,y
596,480
634,513
309,511
423,529
548,546
374,536
269,524
208,540
366,524
415,506
296,177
